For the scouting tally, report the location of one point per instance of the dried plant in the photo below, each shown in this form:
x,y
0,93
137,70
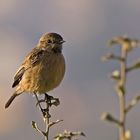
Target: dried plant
x,y
127,45
48,101
68,135
45,105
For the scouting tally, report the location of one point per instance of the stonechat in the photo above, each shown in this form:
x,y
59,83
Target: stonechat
x,y
42,69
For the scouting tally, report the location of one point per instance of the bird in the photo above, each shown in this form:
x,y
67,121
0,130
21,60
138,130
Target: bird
x,y
43,68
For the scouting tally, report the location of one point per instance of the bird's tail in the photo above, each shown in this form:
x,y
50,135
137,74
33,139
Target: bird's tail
x,y
11,99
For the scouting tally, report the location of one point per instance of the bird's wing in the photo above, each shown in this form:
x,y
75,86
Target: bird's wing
x,y
30,61
18,76
35,56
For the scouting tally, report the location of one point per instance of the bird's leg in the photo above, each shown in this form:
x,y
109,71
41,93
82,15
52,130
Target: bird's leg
x,y
38,103
47,100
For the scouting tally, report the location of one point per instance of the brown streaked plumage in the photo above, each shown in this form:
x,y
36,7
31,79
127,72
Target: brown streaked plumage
x,y
43,68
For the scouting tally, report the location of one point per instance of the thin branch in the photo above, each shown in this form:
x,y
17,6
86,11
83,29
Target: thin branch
x,y
122,91
111,56
108,117
135,66
34,125
53,123
133,102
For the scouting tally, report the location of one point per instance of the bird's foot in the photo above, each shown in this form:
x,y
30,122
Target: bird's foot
x,y
50,100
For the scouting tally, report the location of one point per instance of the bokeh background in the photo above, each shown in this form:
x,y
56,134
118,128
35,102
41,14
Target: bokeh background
x,y
86,90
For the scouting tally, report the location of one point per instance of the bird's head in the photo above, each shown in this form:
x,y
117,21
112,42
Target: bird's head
x,y
51,41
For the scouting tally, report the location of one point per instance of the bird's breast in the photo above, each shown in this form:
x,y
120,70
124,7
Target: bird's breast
x,y
46,75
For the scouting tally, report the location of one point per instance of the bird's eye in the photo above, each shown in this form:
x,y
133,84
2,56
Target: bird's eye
x,y
49,41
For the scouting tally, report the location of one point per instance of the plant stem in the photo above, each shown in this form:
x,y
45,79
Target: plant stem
x,y
122,93
47,129
47,116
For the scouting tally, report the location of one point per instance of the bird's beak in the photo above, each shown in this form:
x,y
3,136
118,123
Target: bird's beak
x,y
63,41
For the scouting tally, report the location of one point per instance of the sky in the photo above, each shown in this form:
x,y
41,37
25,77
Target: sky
x,y
86,91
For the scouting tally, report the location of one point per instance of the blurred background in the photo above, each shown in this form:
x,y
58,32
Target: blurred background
x,y
86,90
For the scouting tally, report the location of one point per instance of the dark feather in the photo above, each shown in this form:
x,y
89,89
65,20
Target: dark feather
x,y
30,61
11,100
18,77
